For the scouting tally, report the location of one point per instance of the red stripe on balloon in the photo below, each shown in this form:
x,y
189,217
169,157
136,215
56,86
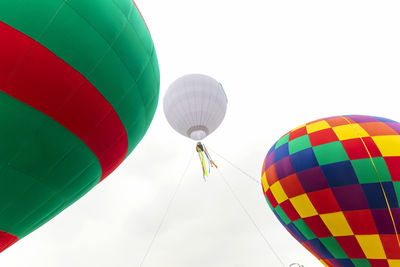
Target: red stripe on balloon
x,y
6,240
34,75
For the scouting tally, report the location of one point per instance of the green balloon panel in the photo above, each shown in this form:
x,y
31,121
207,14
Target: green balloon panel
x,y
79,86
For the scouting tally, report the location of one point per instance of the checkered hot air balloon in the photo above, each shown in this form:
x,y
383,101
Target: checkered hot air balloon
x,y
79,85
334,184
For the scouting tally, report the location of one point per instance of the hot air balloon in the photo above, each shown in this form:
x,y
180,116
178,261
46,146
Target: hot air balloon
x,y
195,105
79,84
334,184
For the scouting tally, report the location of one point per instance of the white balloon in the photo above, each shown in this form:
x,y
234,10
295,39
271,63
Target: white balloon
x,y
195,105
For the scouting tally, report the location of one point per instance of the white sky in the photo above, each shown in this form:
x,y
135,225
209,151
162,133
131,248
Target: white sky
x,y
282,63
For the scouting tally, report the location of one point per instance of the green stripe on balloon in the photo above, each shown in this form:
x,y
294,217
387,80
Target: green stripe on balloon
x,y
120,61
43,167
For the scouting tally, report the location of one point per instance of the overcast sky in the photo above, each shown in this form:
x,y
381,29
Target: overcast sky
x,y
282,63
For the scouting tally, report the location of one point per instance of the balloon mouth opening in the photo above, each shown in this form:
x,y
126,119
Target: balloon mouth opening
x,y
198,132
198,135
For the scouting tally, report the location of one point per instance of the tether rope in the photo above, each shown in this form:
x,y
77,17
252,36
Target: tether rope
x,y
239,169
251,218
167,210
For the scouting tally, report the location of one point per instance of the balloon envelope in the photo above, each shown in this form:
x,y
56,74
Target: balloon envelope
x,y
195,105
79,84
334,184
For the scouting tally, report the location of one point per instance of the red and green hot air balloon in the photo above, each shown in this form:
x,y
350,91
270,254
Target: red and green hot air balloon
x,y
334,184
79,85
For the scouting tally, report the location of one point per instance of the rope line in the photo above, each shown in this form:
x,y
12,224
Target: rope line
x,y
251,218
239,169
167,210
379,179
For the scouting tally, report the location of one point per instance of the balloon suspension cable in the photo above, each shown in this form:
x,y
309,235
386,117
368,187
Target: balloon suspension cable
x,y
166,211
237,168
244,208
250,218
205,159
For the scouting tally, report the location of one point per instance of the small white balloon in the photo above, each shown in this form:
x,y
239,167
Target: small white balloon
x,y
195,105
